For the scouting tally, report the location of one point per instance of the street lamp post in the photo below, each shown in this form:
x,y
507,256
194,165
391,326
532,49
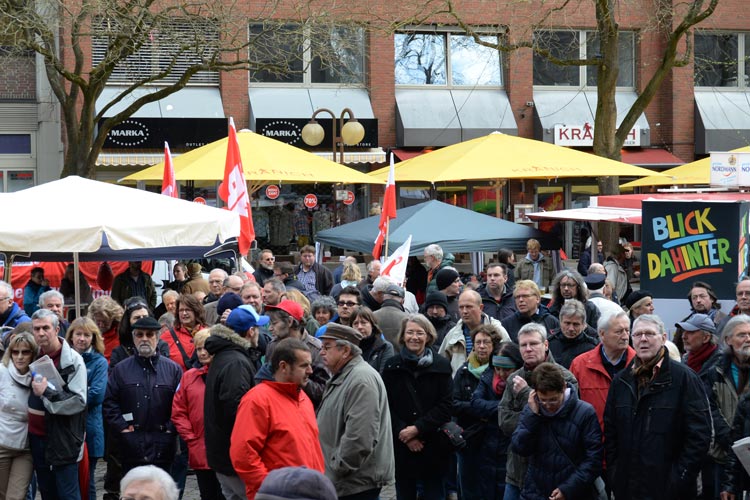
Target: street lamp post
x,y
349,132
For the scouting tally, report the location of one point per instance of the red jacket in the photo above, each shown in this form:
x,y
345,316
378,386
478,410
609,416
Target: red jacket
x,y
275,427
186,340
593,379
187,415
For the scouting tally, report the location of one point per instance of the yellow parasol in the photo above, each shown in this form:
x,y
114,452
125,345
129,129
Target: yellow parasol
x,y
694,173
265,161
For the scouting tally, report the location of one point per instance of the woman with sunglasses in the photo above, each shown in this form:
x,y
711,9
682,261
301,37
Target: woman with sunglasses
x,y
15,385
86,339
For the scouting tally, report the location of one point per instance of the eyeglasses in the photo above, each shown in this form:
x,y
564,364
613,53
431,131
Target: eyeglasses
x,y
701,296
22,352
416,333
347,303
327,347
524,296
548,402
140,334
568,285
743,293
647,335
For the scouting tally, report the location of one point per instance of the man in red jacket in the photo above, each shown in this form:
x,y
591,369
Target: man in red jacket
x,y
275,425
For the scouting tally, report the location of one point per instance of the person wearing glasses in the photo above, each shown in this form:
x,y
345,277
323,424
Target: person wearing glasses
x,y
529,309
265,269
15,386
11,314
232,284
570,285
349,299
657,424
742,292
138,401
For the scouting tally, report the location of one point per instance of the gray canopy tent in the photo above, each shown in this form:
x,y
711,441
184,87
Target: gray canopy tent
x,y
455,229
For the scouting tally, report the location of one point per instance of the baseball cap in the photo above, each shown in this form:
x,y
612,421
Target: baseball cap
x,y
290,307
245,317
697,322
395,290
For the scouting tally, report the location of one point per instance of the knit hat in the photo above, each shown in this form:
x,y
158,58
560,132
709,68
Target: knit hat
x,y
336,331
635,296
595,281
244,317
290,307
436,299
445,277
298,483
228,301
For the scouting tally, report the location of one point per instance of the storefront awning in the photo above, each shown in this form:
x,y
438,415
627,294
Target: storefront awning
x,y
722,120
651,158
566,117
301,103
441,117
190,102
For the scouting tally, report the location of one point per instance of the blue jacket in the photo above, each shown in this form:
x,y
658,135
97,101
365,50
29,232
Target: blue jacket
x,y
31,293
564,450
140,393
96,374
16,315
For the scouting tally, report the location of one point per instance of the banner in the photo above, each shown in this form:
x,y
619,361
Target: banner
x,y
395,266
690,241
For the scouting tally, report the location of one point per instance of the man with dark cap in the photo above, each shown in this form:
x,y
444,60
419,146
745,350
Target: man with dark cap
x,y
275,425
435,308
448,281
230,375
699,338
703,300
354,419
138,402
286,321
232,285
298,483
391,314
595,284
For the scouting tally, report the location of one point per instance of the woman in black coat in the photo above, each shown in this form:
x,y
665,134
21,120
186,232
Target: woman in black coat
x,y
419,388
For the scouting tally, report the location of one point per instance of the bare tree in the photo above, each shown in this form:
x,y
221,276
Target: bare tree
x,y
88,44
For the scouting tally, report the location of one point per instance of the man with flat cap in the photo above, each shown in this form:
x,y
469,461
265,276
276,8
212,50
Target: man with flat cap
x,y
595,284
354,419
138,402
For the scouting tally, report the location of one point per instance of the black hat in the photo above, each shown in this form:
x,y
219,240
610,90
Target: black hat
x,y
595,281
299,483
146,323
436,299
228,301
635,296
445,277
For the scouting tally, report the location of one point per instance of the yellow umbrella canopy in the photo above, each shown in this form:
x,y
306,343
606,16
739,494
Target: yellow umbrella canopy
x,y
694,173
501,156
264,160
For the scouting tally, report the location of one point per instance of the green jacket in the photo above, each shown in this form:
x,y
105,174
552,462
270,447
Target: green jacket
x,y
448,261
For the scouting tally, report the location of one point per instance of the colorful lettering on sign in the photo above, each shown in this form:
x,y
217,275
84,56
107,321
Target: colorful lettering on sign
x,y
689,246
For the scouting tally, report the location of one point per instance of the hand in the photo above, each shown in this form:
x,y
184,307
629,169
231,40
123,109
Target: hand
x,y
725,495
224,316
408,433
557,495
45,282
129,428
533,404
519,384
415,445
39,387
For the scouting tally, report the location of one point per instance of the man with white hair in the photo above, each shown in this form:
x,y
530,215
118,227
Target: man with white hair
x,y
435,260
52,300
148,481
11,314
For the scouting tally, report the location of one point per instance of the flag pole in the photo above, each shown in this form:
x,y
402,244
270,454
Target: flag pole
x,y
387,234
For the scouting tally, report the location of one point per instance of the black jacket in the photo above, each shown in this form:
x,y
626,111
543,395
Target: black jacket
x,y
515,321
565,350
262,274
433,387
230,376
139,393
442,327
464,385
654,444
592,312
123,352
495,309
376,351
736,479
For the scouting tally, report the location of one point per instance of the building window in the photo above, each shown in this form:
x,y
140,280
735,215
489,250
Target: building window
x,y
15,144
307,55
445,58
179,44
579,45
722,60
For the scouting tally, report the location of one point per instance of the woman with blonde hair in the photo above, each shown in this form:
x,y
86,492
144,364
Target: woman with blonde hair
x,y
85,338
107,314
15,385
350,276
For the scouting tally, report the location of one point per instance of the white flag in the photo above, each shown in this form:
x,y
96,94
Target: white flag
x,y
395,266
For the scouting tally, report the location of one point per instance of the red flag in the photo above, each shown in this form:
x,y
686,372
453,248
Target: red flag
x,y
388,211
234,191
169,184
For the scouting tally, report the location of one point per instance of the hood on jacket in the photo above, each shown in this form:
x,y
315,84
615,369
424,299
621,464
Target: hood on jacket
x,y
224,338
264,373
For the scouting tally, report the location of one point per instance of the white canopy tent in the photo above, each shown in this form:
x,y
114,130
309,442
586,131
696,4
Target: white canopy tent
x,y
76,218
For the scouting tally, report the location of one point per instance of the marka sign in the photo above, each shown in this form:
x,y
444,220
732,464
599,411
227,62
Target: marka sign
x,y
180,133
583,135
688,241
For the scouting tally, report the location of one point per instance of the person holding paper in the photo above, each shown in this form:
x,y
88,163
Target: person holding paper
x,y
57,417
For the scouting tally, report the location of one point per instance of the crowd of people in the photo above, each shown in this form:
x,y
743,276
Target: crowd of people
x,y
482,388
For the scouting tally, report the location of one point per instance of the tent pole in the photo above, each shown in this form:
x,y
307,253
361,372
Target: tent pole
x,y
77,283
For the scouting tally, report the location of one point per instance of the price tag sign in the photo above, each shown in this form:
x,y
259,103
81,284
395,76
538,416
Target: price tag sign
x,y
311,201
272,192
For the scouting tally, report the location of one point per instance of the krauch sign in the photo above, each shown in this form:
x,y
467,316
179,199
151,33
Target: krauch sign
x,y
180,133
583,135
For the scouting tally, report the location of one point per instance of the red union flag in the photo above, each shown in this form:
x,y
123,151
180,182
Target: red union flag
x,y
388,211
234,191
168,184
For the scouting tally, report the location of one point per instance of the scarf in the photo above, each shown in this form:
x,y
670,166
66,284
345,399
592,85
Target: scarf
x,y
498,384
423,361
696,359
474,367
644,372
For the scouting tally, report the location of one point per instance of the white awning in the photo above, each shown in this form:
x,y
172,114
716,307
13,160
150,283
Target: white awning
x,y
606,214
722,120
